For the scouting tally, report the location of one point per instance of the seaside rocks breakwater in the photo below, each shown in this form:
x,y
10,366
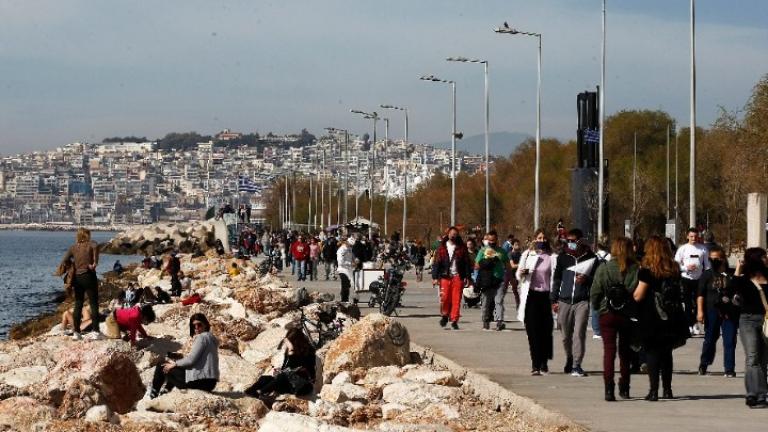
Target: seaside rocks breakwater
x,y
367,379
155,239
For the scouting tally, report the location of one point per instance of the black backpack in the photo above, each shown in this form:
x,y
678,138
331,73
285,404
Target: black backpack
x,y
617,297
669,299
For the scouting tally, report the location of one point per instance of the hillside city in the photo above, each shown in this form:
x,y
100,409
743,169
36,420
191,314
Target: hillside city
x,y
113,183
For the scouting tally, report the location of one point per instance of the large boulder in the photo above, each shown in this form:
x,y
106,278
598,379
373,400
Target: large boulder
x,y
375,340
106,365
288,422
417,395
80,396
24,376
200,403
25,414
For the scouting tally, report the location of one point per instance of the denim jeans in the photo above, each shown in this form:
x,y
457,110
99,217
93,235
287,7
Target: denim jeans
x,y
330,269
595,321
755,353
302,268
714,323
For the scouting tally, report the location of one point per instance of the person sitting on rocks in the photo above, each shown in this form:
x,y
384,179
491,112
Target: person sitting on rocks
x,y
118,268
67,321
131,319
233,270
197,370
297,374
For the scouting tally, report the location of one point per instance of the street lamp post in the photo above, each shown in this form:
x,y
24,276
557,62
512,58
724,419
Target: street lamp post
x,y
346,172
487,126
371,167
386,172
692,187
454,135
505,29
405,174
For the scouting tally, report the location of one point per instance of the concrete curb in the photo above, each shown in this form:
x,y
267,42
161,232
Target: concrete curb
x,y
501,398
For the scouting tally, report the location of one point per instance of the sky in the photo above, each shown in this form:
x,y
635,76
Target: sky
x,y
82,70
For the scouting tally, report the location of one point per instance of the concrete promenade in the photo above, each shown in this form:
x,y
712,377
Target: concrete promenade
x,y
709,403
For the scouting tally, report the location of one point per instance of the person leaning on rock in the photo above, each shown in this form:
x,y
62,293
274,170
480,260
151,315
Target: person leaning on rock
x,y
197,370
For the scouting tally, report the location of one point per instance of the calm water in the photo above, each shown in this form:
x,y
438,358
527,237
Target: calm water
x,y
27,262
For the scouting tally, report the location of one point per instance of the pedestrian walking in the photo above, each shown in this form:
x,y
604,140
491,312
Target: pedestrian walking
x,y
514,263
451,271
693,261
85,255
751,290
300,254
536,274
611,297
345,260
314,258
663,323
330,247
715,311
573,274
492,264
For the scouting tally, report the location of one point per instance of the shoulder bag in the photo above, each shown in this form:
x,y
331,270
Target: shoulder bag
x,y
765,306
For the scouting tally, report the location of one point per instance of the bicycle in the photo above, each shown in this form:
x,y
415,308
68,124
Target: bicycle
x,y
326,329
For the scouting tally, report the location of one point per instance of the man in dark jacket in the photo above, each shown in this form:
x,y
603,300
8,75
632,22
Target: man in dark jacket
x,y
570,298
451,270
329,256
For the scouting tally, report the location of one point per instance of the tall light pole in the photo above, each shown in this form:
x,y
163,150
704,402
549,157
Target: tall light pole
x,y
487,127
346,168
454,135
386,172
405,174
372,167
692,186
505,29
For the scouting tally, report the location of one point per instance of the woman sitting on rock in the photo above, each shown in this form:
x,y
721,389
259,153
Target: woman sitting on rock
x,y
296,376
197,370
67,321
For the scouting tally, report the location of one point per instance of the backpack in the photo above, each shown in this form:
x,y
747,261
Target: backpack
x,y
617,297
668,299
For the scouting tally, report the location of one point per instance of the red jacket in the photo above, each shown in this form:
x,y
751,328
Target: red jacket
x,y
129,319
299,250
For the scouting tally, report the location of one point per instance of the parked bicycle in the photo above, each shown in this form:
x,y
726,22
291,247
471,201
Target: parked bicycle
x,y
387,292
273,263
327,327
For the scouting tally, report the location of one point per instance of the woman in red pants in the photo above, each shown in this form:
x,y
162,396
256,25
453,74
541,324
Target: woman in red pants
x,y
451,270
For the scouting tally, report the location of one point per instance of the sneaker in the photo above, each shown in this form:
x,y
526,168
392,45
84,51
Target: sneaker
x,y
702,370
68,332
443,321
77,336
752,402
578,372
596,337
544,369
500,325
568,368
535,372
730,374
454,325
94,336
486,325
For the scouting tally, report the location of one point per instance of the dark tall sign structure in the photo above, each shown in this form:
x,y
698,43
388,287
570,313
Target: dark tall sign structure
x,y
584,197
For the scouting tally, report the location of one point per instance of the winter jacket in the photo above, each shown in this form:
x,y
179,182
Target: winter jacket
x,y
441,267
525,280
608,275
565,288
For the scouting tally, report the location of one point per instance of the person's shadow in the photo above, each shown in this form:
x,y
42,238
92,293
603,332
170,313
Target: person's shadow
x,y
161,346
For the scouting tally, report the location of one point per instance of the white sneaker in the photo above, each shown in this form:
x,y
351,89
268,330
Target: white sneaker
x,y
596,337
77,336
94,336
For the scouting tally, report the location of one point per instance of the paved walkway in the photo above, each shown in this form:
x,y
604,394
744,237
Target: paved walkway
x,y
710,403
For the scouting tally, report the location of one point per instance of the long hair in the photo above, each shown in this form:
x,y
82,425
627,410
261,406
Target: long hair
x,y
753,262
658,258
299,341
623,253
198,317
547,244
83,235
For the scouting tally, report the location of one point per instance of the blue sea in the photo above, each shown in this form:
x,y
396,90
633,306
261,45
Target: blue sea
x,y
28,260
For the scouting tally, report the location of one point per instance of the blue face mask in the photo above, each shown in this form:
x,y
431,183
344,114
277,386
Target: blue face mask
x,y
540,245
573,246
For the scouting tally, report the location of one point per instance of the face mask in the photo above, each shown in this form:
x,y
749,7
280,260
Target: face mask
x,y
492,244
716,263
573,246
540,245
351,242
486,242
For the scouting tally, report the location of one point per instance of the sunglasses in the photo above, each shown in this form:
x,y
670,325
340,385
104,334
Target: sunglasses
x,y
198,324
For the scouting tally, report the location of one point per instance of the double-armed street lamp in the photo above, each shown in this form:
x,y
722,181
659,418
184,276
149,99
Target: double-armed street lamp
x,y
487,126
506,29
454,136
375,117
405,174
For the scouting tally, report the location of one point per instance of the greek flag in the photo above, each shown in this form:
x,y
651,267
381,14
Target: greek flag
x,y
244,184
592,136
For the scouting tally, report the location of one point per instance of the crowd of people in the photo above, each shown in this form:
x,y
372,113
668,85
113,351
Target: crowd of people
x,y
645,299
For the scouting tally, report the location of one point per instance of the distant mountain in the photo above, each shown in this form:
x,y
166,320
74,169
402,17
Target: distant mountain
x,y
500,143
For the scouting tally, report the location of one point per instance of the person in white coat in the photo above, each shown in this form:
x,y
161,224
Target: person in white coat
x,y
535,273
345,260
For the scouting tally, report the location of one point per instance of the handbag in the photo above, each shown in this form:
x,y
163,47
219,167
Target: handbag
x,y
112,329
765,306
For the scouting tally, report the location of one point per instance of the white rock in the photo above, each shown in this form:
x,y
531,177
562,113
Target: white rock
x,y
287,422
381,376
344,393
24,376
428,376
441,411
342,378
101,413
151,420
418,395
236,373
389,426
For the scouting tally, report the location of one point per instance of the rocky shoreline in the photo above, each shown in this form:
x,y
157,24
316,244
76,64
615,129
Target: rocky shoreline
x,y
64,227
369,378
